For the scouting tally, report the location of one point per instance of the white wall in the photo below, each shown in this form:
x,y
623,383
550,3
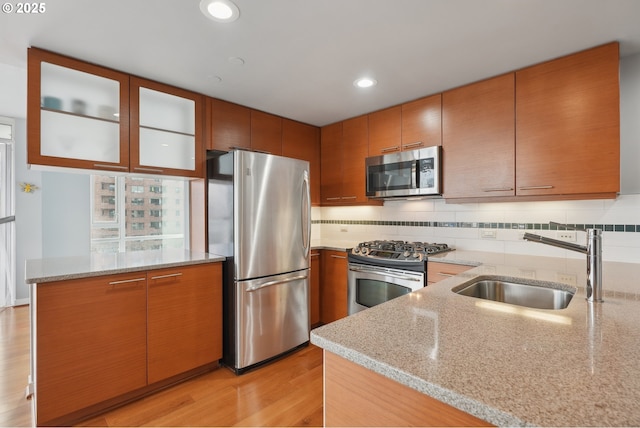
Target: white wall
x,y
625,210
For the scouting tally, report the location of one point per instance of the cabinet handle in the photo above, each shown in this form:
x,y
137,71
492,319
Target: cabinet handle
x,y
338,257
348,197
333,199
101,165
445,274
315,254
140,168
535,187
127,281
170,275
390,149
497,189
412,145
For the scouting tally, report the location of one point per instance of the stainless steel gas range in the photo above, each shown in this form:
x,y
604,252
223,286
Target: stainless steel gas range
x,y
383,270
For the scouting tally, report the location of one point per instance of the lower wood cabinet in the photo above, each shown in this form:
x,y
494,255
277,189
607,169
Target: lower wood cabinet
x,y
333,290
184,319
314,286
437,271
356,396
104,340
91,342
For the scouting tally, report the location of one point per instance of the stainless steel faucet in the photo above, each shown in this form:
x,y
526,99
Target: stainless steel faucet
x,y
593,250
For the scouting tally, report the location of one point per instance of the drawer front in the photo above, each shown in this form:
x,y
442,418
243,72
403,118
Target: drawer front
x,y
437,271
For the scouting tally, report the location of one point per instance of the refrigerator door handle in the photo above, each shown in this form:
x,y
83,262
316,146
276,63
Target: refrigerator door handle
x,y
276,282
306,214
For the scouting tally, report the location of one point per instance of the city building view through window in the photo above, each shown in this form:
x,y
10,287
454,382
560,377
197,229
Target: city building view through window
x,y
138,213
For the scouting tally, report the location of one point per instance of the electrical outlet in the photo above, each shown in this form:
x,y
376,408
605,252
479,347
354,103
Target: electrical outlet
x,y
343,229
488,234
567,278
566,235
530,274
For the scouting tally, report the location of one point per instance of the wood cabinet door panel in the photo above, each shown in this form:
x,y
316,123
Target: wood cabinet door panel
x,y
331,163
568,124
91,336
229,125
385,135
302,141
333,287
478,139
266,132
355,148
422,123
184,319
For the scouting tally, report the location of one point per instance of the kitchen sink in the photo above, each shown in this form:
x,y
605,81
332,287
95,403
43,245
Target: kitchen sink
x,y
517,293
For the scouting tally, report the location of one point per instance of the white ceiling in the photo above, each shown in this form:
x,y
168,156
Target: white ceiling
x,y
302,56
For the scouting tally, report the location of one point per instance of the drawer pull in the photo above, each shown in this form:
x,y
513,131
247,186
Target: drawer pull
x,y
412,145
170,275
101,165
139,168
349,197
127,281
333,199
390,149
446,274
338,257
534,187
497,189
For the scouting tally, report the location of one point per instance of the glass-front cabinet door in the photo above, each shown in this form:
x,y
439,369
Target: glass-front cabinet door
x,y
166,130
78,114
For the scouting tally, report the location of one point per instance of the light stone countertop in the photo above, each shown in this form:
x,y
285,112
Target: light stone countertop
x,y
508,365
64,268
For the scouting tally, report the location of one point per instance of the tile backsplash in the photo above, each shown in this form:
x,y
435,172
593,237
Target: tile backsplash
x,y
494,227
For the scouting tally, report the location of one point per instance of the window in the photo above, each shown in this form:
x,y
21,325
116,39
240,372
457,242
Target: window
x,y
121,204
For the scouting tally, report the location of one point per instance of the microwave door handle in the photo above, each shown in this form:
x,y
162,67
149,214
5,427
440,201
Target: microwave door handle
x,y
415,183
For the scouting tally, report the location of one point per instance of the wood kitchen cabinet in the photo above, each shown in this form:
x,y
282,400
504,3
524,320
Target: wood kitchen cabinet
x,y
228,125
302,141
333,287
184,318
85,116
437,271
167,130
343,149
78,113
91,342
422,123
266,132
314,289
568,125
385,131
102,341
478,139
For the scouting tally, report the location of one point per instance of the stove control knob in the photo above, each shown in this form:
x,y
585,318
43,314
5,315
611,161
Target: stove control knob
x,y
364,251
406,254
356,250
416,255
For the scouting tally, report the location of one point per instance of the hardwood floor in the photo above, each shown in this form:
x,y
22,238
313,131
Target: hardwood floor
x,y
287,392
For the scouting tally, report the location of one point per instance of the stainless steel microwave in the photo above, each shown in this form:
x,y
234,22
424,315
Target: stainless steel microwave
x,y
414,173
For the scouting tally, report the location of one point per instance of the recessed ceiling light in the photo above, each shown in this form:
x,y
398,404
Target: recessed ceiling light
x,y
220,10
365,82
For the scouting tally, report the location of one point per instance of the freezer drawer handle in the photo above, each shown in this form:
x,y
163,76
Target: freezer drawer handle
x,y
171,275
280,281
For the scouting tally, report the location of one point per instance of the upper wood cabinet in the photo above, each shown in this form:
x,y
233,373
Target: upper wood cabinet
x,y
344,147
385,131
302,141
568,125
266,132
166,130
422,123
228,125
90,117
78,113
478,139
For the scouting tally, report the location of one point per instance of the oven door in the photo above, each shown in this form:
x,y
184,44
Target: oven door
x,y
371,285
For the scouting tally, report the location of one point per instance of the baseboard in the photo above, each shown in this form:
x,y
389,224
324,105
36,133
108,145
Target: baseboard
x,y
21,302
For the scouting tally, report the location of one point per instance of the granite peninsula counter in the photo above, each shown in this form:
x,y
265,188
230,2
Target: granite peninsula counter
x,y
508,365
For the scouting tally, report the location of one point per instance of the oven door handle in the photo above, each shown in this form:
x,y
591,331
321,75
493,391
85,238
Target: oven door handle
x,y
392,275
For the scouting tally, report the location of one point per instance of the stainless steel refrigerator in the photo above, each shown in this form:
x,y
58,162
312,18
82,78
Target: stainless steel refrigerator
x,y
260,218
